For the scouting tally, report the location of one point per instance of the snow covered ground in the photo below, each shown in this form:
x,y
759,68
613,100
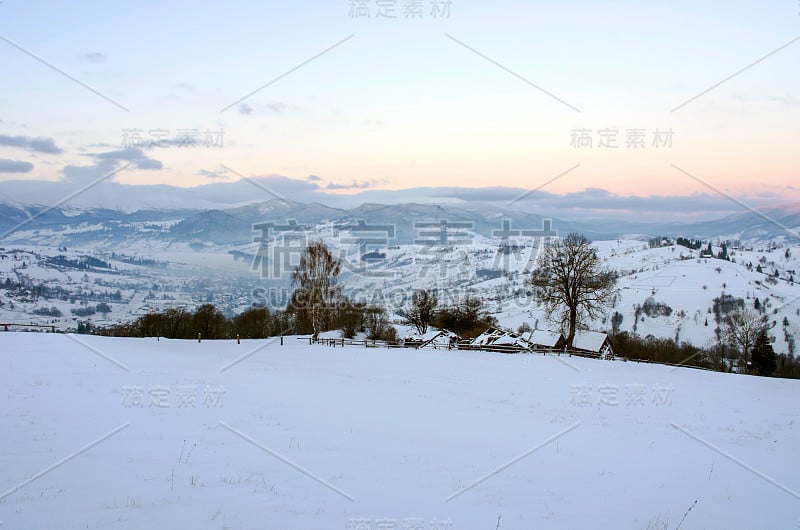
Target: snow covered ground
x,y
673,276
138,433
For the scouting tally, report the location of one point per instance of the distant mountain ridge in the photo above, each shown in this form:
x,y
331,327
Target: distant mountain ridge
x,y
235,225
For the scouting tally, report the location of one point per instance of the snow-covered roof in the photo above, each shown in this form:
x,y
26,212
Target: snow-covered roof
x,y
432,337
507,339
544,337
489,336
589,340
428,335
500,337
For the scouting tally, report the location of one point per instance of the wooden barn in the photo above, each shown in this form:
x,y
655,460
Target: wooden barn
x,y
435,339
544,340
499,340
593,342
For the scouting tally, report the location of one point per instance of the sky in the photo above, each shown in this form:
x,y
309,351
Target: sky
x,y
318,100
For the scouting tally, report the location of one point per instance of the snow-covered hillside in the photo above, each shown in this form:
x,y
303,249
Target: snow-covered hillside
x,y
139,433
49,285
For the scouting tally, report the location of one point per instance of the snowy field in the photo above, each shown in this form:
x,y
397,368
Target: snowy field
x,y
662,275
135,433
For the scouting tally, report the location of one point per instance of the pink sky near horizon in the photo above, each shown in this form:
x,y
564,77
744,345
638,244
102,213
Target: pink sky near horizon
x,y
405,104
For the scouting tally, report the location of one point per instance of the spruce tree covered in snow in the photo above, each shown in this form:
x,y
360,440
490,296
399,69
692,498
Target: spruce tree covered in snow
x,y
572,283
763,355
616,322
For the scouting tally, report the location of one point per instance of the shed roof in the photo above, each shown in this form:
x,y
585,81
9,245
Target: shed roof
x,y
589,340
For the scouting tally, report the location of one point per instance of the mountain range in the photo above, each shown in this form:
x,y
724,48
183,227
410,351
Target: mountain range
x,y
71,226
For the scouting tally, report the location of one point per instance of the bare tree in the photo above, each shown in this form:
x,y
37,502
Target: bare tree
x,y
209,322
467,319
571,282
422,310
741,329
316,285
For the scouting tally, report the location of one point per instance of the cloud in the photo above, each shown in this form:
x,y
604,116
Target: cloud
x,y
354,185
188,87
109,161
36,145
108,193
592,205
81,174
599,200
276,106
94,57
15,166
288,187
586,201
496,193
148,164
214,174
134,155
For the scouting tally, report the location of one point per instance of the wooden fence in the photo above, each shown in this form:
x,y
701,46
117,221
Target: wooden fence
x,y
497,348
463,345
5,327
648,361
365,343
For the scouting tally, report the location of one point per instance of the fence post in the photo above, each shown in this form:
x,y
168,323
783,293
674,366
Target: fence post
x,y
281,340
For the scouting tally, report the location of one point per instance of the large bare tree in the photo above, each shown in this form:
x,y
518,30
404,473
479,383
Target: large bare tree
x,y
572,283
316,285
422,310
741,329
